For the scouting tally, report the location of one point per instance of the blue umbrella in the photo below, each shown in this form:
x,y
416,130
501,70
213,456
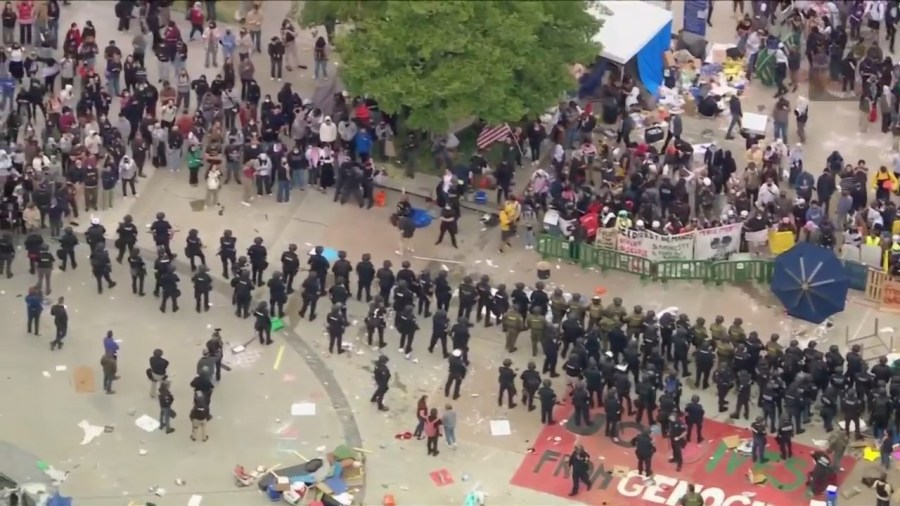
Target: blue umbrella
x,y
810,281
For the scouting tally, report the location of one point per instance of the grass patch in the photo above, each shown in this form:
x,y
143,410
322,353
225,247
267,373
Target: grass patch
x,y
468,136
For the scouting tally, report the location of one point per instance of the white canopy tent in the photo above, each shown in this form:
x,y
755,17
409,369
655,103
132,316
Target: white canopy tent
x,y
628,25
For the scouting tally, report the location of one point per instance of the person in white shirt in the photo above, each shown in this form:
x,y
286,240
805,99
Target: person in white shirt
x,y
768,193
328,131
213,183
781,70
754,42
874,14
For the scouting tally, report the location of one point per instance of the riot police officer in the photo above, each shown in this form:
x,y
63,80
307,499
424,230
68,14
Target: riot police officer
x,y
693,416
828,410
290,266
442,291
681,345
160,267
724,380
365,275
168,282
202,286
339,294
424,292
784,436
705,360
341,271
507,384
227,252
536,323
440,325
743,386
101,266
646,399
407,327
483,294
644,450
193,249
758,445
386,280
459,337
127,233
138,272
531,381
548,400
375,322
456,372
382,379
335,324
512,325
257,254
309,294
581,403
580,462
243,294
851,409
263,323
277,294
468,295
677,442
593,380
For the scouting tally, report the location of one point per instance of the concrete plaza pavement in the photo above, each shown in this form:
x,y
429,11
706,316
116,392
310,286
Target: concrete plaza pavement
x,y
111,471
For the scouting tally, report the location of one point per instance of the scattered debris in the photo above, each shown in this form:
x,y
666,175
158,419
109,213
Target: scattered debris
x,y
147,423
91,432
500,428
142,452
303,409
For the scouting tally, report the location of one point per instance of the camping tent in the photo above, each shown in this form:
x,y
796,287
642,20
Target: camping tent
x,y
634,29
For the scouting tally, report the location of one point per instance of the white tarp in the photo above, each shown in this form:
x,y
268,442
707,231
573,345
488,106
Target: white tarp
x,y
628,25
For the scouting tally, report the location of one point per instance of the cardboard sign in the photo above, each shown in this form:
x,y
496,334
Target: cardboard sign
x,y
890,295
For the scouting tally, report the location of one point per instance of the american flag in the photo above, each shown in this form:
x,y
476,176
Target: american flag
x,y
490,135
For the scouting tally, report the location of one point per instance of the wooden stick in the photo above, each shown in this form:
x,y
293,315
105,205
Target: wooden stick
x,y
362,450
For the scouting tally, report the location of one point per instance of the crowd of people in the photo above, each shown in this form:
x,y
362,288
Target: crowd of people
x,y
627,362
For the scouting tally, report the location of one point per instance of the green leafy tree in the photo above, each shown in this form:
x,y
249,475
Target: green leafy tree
x,y
446,61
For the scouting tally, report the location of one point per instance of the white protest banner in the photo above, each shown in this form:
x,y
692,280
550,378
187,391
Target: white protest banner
x,y
717,243
663,248
607,238
631,242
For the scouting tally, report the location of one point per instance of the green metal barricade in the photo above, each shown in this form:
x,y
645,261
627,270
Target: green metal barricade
x,y
591,256
686,270
553,247
607,259
742,271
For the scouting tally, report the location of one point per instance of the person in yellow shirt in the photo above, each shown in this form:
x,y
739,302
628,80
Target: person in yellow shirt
x,y
506,229
884,183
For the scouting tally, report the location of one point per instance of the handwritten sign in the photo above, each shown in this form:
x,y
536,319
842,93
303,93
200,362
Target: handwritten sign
x,y
890,295
607,238
670,247
631,242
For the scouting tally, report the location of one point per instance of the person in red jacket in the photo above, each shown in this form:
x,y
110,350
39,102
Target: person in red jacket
x,y
197,19
26,21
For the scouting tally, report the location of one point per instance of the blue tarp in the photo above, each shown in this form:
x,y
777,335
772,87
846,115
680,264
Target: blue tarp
x,y
650,59
58,500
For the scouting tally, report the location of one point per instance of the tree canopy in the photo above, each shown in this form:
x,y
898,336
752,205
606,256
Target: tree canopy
x,y
446,61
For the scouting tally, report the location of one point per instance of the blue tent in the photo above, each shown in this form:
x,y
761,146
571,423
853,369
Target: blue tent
x,y
811,282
